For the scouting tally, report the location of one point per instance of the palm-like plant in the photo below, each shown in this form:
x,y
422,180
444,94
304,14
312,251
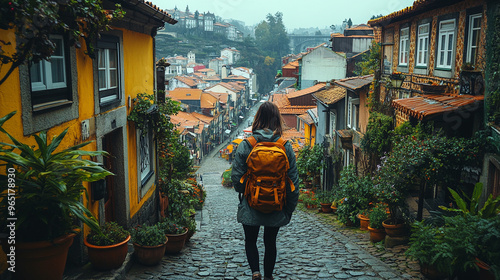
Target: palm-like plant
x,y
48,185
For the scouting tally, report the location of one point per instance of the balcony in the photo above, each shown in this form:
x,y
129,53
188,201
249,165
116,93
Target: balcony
x,y
345,136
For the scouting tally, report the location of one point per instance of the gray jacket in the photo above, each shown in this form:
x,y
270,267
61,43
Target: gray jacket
x,y
246,214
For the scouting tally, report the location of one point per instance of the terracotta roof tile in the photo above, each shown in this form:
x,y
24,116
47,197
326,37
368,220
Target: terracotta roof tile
x,y
154,11
295,110
221,96
186,93
306,118
307,91
360,27
291,65
431,104
418,6
281,100
207,100
186,80
201,117
331,95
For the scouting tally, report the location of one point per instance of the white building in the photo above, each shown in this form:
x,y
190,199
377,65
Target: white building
x,y
232,54
250,75
321,65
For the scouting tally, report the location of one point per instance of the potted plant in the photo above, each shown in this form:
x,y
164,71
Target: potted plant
x,y
377,215
108,247
397,79
149,244
325,199
175,233
48,187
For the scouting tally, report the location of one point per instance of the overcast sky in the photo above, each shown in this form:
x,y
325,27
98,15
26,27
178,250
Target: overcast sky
x,y
296,14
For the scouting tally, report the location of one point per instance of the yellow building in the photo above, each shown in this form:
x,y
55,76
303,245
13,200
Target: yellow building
x,y
92,97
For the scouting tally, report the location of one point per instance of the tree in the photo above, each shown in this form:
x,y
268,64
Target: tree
x,y
318,33
349,23
34,21
370,61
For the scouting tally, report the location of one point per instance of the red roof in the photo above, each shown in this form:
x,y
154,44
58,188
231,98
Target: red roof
x,y
307,91
432,104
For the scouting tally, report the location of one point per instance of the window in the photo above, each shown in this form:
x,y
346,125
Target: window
x,y
388,45
108,68
146,156
422,45
473,30
404,46
333,124
446,38
352,113
49,78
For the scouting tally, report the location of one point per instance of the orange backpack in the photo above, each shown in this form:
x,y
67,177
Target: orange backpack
x,y
266,176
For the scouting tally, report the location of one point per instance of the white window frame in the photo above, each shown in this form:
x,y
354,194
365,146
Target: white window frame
x,y
109,93
470,44
333,124
352,113
404,46
444,48
145,161
45,68
422,45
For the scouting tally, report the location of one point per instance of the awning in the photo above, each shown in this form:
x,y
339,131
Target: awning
x,y
248,129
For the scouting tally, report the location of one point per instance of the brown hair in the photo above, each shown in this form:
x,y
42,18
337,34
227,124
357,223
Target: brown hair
x,y
268,116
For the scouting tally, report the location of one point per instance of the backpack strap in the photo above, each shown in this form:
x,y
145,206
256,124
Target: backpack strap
x,y
252,141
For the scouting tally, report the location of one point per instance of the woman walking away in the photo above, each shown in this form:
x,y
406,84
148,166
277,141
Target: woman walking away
x,y
265,175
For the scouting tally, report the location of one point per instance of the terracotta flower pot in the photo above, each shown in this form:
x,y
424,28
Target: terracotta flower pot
x,y
44,260
107,257
334,208
175,242
431,272
395,229
364,221
326,207
376,234
484,270
149,255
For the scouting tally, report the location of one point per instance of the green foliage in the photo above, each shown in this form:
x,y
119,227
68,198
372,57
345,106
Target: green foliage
x,y
48,183
272,37
181,197
377,215
325,197
34,21
111,233
453,247
426,159
226,178
492,100
310,161
377,140
148,235
490,209
370,61
171,226
355,193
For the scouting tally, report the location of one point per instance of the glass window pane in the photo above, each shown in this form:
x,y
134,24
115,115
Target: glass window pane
x,y
59,46
36,73
476,22
113,58
113,78
57,68
102,79
102,58
450,42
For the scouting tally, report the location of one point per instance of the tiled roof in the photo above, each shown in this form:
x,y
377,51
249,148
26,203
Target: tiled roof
x,y
221,96
207,100
206,70
234,77
295,110
186,93
291,65
355,83
431,104
307,91
184,119
201,117
213,78
292,133
418,6
331,95
336,35
360,27
281,100
306,118
187,80
154,10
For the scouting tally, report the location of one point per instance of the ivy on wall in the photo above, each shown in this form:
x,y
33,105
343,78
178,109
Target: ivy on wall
x,y
493,67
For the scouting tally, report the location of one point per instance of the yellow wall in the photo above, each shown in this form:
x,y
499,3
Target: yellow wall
x,y
139,77
310,134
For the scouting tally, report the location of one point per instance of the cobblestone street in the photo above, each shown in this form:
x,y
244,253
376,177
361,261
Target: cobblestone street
x,y
308,248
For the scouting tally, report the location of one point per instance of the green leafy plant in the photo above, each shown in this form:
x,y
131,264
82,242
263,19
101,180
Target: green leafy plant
x,y
491,207
226,178
171,226
148,235
377,215
325,197
49,185
110,233
310,161
310,200
355,193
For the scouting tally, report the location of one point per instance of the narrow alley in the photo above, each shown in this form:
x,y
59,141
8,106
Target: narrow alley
x,y
307,248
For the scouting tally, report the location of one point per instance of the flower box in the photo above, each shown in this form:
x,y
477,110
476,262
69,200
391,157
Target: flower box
x,y
430,88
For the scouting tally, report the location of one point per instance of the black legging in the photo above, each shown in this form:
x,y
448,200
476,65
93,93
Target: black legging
x,y
251,234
